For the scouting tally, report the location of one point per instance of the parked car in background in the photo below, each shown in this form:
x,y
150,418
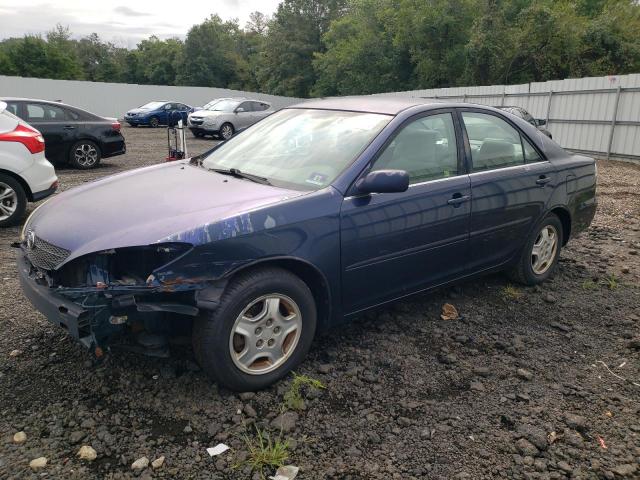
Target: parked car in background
x,y
71,135
200,112
304,220
226,117
155,114
539,123
25,173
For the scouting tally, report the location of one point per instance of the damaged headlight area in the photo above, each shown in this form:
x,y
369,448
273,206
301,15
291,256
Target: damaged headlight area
x,y
98,296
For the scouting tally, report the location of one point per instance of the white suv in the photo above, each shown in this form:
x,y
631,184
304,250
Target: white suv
x,y
25,173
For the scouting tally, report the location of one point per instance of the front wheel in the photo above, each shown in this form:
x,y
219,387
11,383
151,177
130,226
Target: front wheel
x,y
226,131
13,201
541,252
262,329
84,155
154,122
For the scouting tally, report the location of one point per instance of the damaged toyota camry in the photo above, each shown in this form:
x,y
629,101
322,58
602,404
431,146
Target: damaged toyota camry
x,y
311,216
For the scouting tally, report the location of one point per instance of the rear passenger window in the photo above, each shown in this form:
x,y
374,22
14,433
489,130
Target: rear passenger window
x,y
425,149
12,108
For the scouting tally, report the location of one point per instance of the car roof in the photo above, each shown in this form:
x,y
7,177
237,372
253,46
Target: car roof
x,y
389,105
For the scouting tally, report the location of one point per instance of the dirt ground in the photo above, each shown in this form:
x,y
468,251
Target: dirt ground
x,y
529,383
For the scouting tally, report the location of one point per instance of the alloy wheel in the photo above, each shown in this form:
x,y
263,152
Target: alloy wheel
x,y
226,131
86,155
544,249
8,201
265,334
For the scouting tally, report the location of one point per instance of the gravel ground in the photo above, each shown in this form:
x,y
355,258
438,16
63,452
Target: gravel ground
x,y
517,387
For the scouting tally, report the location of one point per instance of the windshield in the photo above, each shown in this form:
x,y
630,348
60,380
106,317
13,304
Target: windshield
x,y
225,106
299,149
210,104
151,105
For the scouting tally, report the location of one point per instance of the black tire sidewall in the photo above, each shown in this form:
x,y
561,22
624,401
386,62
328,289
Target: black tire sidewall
x,y
213,335
16,216
72,155
151,122
527,269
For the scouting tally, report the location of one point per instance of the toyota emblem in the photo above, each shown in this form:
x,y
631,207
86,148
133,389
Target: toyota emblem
x,y
31,240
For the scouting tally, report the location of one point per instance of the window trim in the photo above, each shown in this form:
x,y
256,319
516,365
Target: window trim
x,y
467,144
462,167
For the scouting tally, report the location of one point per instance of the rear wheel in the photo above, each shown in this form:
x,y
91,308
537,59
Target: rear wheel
x,y
84,155
541,252
226,131
262,329
198,134
13,201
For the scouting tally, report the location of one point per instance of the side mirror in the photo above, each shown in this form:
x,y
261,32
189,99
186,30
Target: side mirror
x,y
384,181
239,110
541,122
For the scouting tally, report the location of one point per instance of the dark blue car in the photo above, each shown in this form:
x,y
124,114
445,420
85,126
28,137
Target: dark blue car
x,y
155,114
309,217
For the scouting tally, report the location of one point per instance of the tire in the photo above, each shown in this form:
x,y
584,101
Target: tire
x,y
154,122
198,134
218,347
226,131
134,125
13,201
533,269
85,155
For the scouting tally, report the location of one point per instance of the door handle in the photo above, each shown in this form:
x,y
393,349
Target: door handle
x,y
543,180
458,199
69,127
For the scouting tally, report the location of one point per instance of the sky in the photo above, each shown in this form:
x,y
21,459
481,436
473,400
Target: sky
x,y
120,22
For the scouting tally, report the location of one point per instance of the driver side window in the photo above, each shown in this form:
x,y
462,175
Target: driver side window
x,y
425,148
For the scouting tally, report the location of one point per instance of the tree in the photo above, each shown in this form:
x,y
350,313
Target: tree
x,y
294,36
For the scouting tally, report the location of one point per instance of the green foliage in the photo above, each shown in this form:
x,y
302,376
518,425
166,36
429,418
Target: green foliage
x,y
339,47
264,452
510,292
589,285
293,398
612,282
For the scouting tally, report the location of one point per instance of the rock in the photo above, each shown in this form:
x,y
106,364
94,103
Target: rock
x,y
404,421
482,371
38,463
625,470
535,435
244,396
325,368
525,447
87,453
285,422
158,462
77,436
250,411
187,429
549,298
88,423
634,344
574,421
140,464
526,374
19,437
15,353
562,465
477,387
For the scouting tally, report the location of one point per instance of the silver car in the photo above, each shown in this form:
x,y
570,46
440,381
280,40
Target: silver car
x,y
227,116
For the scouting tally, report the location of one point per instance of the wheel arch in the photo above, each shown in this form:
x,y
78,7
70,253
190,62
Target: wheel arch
x,y
565,218
21,181
308,273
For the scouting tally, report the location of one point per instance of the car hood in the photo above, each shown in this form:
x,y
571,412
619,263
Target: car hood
x,y
208,113
145,206
139,110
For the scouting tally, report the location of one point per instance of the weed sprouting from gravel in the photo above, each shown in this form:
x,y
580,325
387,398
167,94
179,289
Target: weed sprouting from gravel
x,y
589,285
293,399
511,293
612,282
264,452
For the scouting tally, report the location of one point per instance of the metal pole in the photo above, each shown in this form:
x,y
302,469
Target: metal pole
x,y
613,121
464,98
502,101
549,106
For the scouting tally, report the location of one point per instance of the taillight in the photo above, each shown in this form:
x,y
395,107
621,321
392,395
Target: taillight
x,y
29,137
115,126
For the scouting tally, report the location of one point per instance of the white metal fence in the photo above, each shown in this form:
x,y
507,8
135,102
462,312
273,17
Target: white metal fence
x,y
597,115
114,99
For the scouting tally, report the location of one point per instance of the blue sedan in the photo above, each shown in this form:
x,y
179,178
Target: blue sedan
x,y
155,114
309,217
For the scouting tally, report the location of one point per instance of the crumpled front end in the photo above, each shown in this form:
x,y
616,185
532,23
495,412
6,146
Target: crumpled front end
x,y
98,297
